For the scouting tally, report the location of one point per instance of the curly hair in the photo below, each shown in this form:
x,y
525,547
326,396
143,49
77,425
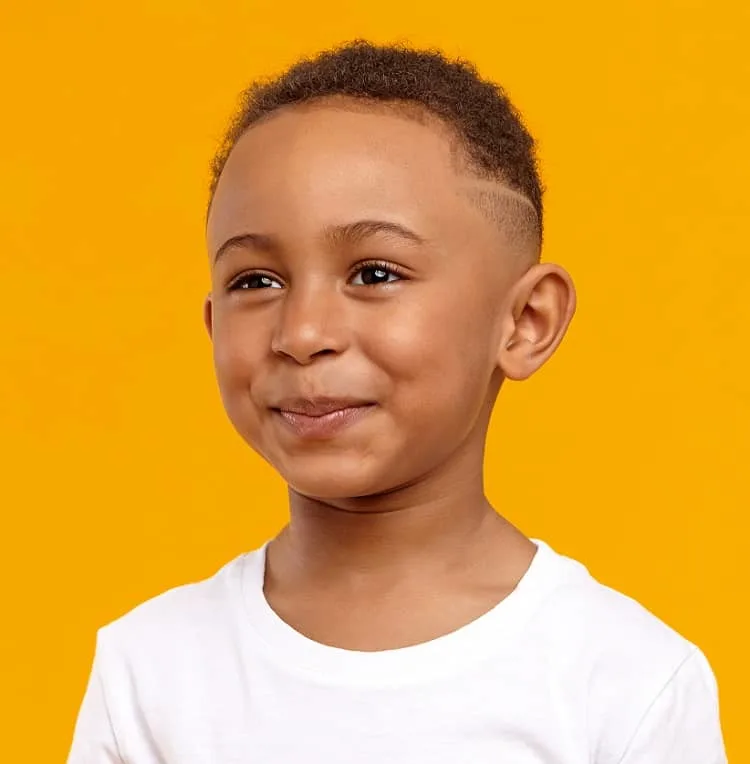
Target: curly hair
x,y
489,129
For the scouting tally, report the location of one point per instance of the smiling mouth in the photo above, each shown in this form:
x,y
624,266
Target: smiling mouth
x,y
319,419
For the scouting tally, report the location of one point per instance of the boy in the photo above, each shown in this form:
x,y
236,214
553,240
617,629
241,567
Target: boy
x,y
374,233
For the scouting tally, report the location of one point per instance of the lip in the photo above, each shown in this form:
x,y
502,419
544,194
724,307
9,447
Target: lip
x,y
321,418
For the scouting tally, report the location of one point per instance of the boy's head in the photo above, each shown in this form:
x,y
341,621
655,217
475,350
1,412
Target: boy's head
x,y
374,231
488,138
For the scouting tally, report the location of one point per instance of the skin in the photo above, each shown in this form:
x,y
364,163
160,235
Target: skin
x,y
391,540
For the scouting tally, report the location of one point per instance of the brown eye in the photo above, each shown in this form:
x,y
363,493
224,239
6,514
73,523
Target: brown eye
x,y
373,275
254,281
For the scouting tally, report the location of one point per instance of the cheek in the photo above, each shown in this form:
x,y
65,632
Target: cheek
x,y
437,345
238,351
438,360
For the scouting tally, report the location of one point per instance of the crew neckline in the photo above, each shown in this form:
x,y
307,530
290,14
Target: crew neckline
x,y
491,632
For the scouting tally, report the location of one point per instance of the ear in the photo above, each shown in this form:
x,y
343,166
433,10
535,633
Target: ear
x,y
541,307
208,317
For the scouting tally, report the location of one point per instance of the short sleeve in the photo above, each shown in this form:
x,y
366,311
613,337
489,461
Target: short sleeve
x,y
93,738
682,725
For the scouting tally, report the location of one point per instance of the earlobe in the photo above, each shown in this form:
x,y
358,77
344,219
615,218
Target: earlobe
x,y
541,311
208,315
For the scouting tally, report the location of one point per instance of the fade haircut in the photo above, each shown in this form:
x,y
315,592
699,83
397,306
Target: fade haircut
x,y
490,138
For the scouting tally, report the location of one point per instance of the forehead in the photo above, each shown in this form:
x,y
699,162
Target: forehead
x,y
324,164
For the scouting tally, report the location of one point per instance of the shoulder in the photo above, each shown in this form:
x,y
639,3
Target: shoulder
x,y
624,660
611,630
177,619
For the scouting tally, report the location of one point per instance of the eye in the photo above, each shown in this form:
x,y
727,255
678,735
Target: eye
x,y
254,281
373,274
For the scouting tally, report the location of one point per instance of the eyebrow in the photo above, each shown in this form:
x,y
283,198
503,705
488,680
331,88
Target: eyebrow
x,y
334,235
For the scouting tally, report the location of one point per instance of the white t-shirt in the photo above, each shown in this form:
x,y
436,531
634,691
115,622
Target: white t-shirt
x,y
563,671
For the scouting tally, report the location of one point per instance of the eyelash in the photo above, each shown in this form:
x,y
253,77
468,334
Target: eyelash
x,y
378,265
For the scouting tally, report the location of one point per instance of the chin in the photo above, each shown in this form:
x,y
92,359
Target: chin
x,y
334,478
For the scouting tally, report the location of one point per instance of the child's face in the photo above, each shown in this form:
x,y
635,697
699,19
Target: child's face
x,y
294,317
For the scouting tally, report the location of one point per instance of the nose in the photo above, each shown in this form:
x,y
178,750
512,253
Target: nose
x,y
311,324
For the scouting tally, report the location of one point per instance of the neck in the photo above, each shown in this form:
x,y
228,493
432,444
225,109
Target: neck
x,y
429,528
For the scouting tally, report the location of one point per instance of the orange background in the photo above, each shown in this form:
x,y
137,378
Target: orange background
x,y
121,476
